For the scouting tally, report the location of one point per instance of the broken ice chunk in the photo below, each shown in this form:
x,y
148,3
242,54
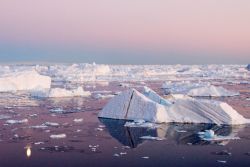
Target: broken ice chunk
x,y
78,120
58,136
17,121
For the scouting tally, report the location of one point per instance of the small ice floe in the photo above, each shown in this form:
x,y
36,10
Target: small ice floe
x,y
116,155
38,143
76,120
57,110
123,153
58,136
101,96
248,98
142,124
145,157
209,135
99,129
151,138
60,92
4,117
51,124
78,130
39,126
33,115
16,121
222,161
101,126
125,147
93,148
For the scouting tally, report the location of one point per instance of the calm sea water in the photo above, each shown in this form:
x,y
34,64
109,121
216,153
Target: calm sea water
x,y
106,142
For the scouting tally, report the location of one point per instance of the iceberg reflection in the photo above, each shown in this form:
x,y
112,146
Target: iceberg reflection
x,y
179,133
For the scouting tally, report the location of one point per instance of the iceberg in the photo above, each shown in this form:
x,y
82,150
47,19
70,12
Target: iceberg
x,y
133,105
60,92
212,91
196,89
24,80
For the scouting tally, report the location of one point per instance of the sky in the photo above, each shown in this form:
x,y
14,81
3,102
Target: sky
x,y
125,31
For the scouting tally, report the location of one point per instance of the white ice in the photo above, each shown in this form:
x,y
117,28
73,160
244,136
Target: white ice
x,y
132,105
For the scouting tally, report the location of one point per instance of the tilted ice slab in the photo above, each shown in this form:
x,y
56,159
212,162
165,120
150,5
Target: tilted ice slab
x,y
132,105
24,80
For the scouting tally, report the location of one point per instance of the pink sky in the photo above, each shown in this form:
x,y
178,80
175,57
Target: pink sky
x,y
186,25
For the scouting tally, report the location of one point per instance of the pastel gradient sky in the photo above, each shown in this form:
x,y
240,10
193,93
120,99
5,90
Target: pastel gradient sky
x,y
125,31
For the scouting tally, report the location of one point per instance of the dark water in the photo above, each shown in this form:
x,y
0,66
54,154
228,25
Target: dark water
x,y
106,142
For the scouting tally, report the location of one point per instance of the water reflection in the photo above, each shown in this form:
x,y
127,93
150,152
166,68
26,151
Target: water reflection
x,y
28,151
179,133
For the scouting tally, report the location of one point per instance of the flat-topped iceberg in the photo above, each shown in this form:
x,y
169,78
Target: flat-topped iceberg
x,y
24,80
215,91
133,105
197,89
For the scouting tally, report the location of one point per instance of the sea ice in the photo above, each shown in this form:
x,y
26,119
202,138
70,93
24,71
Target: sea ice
x,y
58,136
17,121
60,92
216,91
24,80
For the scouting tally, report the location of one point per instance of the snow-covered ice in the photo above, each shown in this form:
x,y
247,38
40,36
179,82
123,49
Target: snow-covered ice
x,y
24,80
132,105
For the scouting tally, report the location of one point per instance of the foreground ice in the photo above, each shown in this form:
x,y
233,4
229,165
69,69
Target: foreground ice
x,y
24,80
132,105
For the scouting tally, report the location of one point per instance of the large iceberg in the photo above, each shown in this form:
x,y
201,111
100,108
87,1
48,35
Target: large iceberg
x,y
24,80
133,105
